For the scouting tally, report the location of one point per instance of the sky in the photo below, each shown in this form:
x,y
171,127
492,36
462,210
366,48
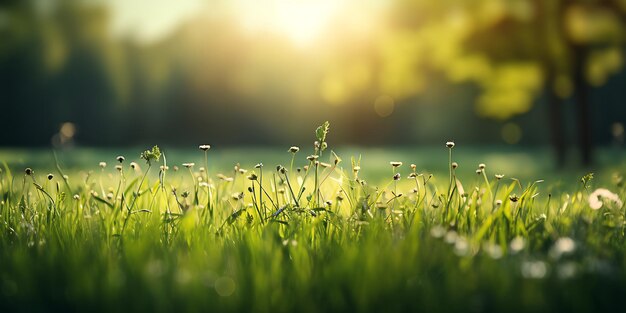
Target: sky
x,y
301,21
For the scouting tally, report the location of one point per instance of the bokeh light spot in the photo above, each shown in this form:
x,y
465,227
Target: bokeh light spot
x,y
225,286
511,133
384,105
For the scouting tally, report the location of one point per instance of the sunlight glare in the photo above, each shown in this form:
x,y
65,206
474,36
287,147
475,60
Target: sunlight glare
x,y
301,21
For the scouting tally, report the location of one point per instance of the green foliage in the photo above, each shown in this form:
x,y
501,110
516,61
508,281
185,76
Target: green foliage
x,y
586,180
129,241
151,155
320,134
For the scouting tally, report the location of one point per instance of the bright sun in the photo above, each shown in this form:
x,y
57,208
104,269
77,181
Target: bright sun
x,y
299,20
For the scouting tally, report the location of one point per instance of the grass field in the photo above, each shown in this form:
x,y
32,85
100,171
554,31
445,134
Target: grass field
x,y
338,235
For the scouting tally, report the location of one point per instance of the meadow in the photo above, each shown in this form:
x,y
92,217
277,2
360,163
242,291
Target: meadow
x,y
310,229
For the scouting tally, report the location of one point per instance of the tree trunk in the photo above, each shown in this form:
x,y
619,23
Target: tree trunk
x,y
581,99
555,113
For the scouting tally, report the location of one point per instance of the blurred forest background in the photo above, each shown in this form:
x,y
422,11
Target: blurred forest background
x,y
397,72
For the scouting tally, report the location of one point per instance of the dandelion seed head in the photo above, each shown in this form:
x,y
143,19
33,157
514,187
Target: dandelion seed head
x,y
28,171
396,176
395,163
120,158
102,164
189,165
499,176
455,165
294,149
450,144
118,168
482,166
50,176
603,196
204,147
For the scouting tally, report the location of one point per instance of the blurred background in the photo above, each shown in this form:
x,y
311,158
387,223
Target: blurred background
x,y
546,73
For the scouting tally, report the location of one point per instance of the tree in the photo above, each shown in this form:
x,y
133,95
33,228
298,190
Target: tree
x,y
517,50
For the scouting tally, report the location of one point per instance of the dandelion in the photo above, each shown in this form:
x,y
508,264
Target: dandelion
x,y
118,168
134,165
413,167
224,177
479,171
455,165
395,163
204,147
120,158
498,202
50,176
76,197
294,149
603,196
28,171
189,165
312,157
481,166
102,164
356,169
252,176
175,168
237,196
412,175
396,176
450,144
164,168
259,165
242,171
339,197
514,198
499,176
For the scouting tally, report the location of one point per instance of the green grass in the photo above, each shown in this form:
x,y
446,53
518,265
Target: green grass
x,y
109,240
